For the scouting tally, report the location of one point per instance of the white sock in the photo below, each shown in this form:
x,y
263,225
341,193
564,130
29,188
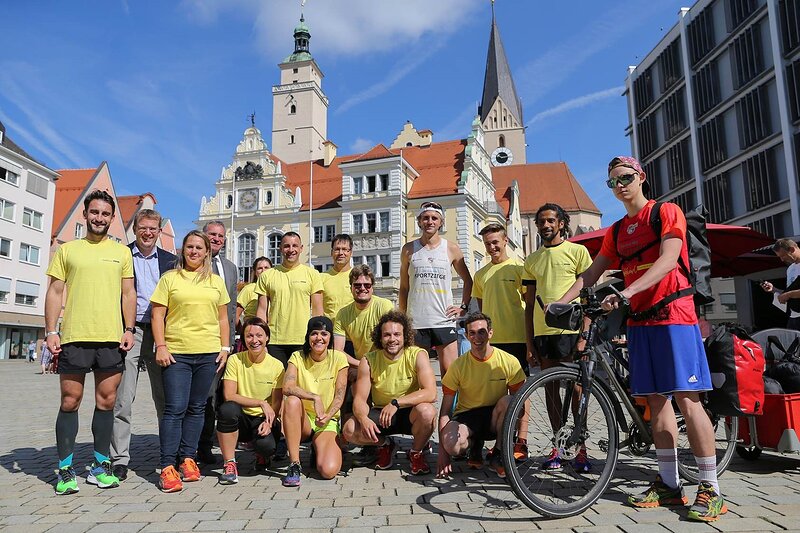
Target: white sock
x,y
707,467
668,466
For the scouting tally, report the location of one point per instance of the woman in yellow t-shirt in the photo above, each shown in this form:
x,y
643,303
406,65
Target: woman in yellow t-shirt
x,y
252,388
313,389
247,301
190,330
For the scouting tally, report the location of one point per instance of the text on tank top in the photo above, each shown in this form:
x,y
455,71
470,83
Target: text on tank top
x,y
430,283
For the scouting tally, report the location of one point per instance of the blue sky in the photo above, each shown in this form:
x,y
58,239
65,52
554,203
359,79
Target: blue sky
x,y
162,90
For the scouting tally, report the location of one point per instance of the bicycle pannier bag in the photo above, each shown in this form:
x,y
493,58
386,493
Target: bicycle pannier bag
x,y
564,316
736,363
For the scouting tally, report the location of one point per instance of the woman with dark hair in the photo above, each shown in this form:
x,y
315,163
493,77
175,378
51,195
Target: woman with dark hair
x,y
190,330
313,389
247,301
252,390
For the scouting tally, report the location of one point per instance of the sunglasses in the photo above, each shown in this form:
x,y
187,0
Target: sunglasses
x,y
362,285
431,204
624,180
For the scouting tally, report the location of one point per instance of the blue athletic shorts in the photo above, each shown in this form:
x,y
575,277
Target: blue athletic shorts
x,y
667,359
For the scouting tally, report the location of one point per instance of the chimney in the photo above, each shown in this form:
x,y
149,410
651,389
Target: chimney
x,y
329,153
425,137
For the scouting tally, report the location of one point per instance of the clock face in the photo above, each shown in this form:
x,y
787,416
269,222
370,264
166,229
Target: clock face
x,y
248,199
502,156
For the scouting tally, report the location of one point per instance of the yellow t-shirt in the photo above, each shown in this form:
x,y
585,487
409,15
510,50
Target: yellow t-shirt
x,y
248,300
357,324
319,378
289,293
554,269
336,291
93,273
500,289
192,311
482,383
254,380
393,379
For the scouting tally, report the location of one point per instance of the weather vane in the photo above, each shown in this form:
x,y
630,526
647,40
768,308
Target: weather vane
x,y
252,117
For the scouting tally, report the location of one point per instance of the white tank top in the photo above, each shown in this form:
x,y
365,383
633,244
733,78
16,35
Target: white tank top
x,y
430,283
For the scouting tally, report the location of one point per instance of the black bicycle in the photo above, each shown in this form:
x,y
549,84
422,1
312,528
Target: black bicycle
x,y
575,414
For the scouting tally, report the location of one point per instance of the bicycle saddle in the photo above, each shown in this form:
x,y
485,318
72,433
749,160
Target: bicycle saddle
x,y
564,316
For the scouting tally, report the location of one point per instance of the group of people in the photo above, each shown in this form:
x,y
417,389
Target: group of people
x,y
320,359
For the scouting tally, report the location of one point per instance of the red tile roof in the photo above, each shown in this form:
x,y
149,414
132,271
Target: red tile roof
x,y
540,183
69,189
379,151
129,205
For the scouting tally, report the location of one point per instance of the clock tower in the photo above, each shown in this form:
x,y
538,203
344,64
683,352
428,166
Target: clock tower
x,y
501,108
299,107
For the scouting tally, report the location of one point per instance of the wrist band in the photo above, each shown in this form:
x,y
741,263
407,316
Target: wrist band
x,y
48,333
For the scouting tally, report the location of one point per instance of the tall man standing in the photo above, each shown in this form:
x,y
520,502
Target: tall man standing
x,y
97,330
789,253
149,263
336,281
426,285
288,296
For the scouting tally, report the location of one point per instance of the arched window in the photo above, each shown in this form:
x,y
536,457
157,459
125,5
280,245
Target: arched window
x,y
291,139
268,198
274,248
246,256
293,109
229,201
501,141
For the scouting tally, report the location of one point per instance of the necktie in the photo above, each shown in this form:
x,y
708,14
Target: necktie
x,y
215,266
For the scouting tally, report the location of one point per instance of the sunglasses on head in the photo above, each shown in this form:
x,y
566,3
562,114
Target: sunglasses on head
x,y
430,204
362,285
624,180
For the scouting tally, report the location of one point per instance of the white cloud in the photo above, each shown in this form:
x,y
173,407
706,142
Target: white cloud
x,y
141,95
361,145
459,126
577,103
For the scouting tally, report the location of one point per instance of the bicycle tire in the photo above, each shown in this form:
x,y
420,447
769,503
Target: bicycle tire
x,y
566,492
726,431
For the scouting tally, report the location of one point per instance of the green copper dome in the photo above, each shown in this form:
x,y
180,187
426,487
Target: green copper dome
x,y
302,35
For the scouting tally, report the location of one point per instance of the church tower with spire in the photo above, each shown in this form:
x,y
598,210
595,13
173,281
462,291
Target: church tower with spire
x,y
299,107
501,109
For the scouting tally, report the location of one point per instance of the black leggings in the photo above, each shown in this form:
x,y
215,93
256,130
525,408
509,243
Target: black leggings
x,y
230,418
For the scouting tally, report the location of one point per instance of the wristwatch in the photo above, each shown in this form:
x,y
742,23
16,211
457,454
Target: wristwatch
x,y
132,329
225,349
395,403
464,306
48,333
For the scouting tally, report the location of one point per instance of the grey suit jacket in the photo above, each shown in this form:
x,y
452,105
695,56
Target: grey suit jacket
x,y
231,279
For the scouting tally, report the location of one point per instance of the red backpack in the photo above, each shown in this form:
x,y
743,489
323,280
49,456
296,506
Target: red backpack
x,y
736,363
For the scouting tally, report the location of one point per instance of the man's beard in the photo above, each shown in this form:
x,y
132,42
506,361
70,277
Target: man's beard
x,y
90,229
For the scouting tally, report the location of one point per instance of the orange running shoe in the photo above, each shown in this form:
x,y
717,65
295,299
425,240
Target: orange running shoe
x,y
170,480
189,470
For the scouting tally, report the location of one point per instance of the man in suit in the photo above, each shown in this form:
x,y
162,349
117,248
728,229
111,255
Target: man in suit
x,y
149,263
227,270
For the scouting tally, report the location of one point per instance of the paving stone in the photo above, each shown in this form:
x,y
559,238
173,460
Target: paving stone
x,y
311,523
221,525
128,527
266,524
361,521
328,512
158,527
401,529
728,523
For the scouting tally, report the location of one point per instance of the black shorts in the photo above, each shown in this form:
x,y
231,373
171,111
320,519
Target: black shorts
x,y
479,421
400,424
85,357
518,350
556,347
282,352
430,337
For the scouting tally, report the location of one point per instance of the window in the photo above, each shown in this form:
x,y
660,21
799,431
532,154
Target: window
x,y
358,184
318,233
27,293
501,141
648,137
728,301
268,198
293,109
670,62
384,182
79,231
5,248
772,226
686,201
793,88
713,145
371,183
8,176
6,210
247,254
384,218
747,56
701,35
37,185
229,201
5,290
291,139
385,265
707,93
736,11
753,118
372,224
294,71
274,248
29,253
674,114
330,231
643,90
358,223
32,218
717,197
680,169
790,24
477,261
372,261
760,180
653,172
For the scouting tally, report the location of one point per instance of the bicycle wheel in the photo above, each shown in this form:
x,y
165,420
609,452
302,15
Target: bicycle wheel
x,y
567,490
726,431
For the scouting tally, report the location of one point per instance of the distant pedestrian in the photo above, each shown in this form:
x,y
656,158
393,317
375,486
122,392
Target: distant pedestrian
x,y
46,359
32,351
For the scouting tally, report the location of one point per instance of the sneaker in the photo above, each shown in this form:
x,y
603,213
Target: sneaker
x,y
367,456
100,475
520,450
419,466
386,454
553,462
120,472
189,470
708,505
170,480
581,462
230,474
475,457
67,481
292,477
659,494
262,463
495,461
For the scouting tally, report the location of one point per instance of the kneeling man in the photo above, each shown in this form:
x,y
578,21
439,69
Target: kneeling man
x,y
400,380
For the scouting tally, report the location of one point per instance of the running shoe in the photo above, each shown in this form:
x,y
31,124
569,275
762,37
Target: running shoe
x,y
367,456
67,481
659,494
262,463
230,474
419,466
170,480
386,454
708,505
292,477
495,461
475,458
553,462
189,470
520,450
101,475
581,462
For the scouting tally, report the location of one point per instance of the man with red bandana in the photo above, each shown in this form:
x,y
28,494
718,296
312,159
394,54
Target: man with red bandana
x,y
667,358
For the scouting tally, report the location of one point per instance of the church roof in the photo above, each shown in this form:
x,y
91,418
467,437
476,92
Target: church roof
x,y
540,183
497,82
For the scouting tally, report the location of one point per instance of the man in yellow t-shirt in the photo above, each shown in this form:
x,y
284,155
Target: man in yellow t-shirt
x,y
289,295
399,379
483,379
336,281
97,330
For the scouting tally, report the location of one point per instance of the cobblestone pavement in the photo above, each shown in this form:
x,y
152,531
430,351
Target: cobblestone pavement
x,y
763,495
